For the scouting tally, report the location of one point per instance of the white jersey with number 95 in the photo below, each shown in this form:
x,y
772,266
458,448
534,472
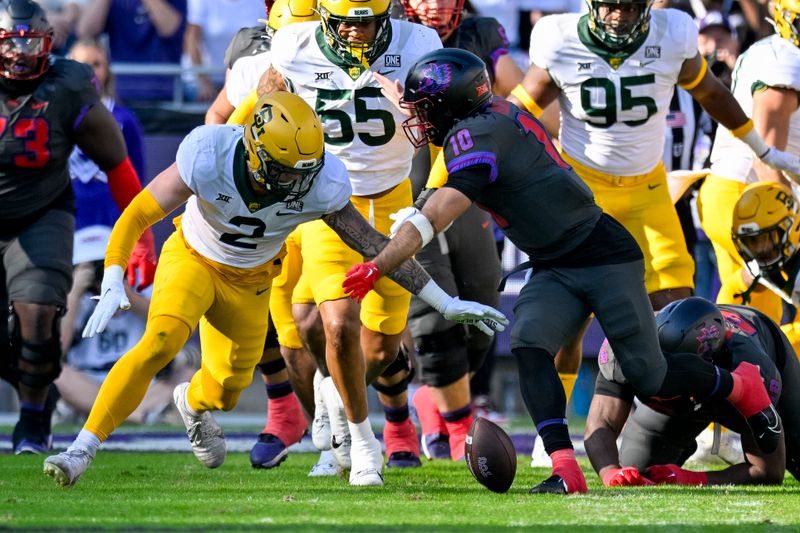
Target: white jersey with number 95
x,y
614,106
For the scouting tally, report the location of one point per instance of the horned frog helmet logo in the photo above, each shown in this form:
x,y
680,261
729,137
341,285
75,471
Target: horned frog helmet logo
x,y
436,78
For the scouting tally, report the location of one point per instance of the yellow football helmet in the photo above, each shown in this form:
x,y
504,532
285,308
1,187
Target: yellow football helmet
x,y
615,35
786,17
285,146
334,12
285,12
766,226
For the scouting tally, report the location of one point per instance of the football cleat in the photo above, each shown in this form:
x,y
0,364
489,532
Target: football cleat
x,y
205,435
326,465
268,452
402,444
367,465
552,485
539,457
341,448
30,437
436,446
66,467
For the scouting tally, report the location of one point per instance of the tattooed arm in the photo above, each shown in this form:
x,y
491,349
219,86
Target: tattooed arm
x,y
271,81
366,240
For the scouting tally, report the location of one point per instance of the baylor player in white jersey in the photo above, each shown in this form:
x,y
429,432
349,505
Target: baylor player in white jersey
x,y
333,65
612,72
766,81
247,190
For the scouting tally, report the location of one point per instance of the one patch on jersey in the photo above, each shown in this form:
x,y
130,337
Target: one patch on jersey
x,y
295,205
392,60
652,52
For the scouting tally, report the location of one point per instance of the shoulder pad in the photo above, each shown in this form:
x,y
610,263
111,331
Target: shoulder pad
x,y
71,74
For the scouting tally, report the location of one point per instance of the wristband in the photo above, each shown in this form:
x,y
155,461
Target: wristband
x,y
527,102
433,295
423,226
755,142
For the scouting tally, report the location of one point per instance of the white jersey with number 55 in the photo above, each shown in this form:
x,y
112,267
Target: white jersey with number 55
x,y
224,220
361,126
614,106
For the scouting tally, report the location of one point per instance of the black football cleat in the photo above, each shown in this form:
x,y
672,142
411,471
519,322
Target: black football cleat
x,y
552,485
403,460
766,427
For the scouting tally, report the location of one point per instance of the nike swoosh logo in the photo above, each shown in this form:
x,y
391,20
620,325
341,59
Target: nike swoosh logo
x,y
386,72
653,186
285,213
262,291
335,444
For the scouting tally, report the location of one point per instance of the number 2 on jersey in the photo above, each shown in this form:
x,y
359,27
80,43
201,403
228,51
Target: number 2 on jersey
x,y
605,115
35,132
234,239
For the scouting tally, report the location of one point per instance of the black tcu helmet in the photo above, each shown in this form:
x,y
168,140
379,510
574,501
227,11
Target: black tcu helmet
x,y
692,325
26,39
442,87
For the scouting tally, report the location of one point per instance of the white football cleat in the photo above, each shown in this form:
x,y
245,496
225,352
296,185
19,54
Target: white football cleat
x,y
340,431
539,457
205,435
367,458
730,448
326,465
321,426
66,467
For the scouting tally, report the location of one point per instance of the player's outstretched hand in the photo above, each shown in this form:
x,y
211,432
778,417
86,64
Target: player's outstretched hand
x,y
485,318
112,299
143,261
626,476
675,475
393,91
787,162
360,279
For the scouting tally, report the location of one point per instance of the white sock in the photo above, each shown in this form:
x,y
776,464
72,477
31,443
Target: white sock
x,y
87,440
329,387
361,432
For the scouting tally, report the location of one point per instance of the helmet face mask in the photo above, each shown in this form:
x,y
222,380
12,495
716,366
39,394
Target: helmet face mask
x,y
285,146
334,13
615,23
444,16
26,39
766,226
786,19
443,87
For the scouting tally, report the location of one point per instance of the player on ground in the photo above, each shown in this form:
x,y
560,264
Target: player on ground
x,y
462,260
333,66
584,260
766,82
243,188
613,72
660,435
49,105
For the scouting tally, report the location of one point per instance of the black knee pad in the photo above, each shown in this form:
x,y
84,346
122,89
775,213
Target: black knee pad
x,y
272,367
39,354
401,364
442,356
272,336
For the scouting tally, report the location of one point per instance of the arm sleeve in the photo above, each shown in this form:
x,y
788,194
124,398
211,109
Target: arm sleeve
x,y
134,141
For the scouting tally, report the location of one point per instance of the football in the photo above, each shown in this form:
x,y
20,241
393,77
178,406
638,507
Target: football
x,y
490,455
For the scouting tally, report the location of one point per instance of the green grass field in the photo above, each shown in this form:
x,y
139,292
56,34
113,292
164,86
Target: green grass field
x,y
170,491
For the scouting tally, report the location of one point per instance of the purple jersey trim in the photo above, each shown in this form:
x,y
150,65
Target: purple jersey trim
x,y
473,159
84,109
496,56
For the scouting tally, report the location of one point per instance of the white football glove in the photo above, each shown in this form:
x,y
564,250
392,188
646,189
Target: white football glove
x,y
400,217
112,299
785,161
485,318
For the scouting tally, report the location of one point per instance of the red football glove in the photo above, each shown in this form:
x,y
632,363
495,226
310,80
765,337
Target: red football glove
x,y
360,279
143,260
675,475
627,476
